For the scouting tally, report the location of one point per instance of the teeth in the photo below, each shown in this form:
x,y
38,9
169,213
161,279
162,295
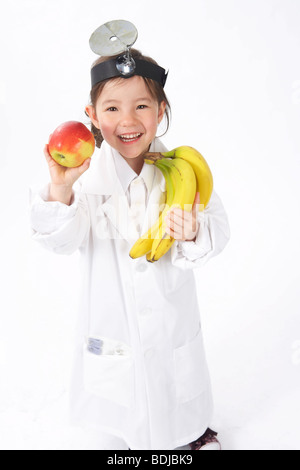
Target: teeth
x,y
129,137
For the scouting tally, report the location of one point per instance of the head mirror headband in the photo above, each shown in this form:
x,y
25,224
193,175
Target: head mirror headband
x,y
117,37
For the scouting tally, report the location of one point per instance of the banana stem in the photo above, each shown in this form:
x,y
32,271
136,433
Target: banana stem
x,y
152,156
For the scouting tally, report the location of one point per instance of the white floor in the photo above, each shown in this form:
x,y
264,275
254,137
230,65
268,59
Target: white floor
x,y
40,423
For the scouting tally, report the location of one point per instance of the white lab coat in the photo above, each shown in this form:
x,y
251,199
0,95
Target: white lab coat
x,y
150,386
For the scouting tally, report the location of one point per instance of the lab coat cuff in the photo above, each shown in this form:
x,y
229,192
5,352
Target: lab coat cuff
x,y
48,216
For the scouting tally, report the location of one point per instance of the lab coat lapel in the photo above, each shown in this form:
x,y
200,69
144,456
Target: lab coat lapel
x,y
117,211
102,180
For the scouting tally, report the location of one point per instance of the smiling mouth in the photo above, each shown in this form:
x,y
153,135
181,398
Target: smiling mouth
x,y
130,137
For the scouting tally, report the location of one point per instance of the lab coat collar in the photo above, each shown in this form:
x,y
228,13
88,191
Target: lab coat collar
x,y
102,178
124,171
126,174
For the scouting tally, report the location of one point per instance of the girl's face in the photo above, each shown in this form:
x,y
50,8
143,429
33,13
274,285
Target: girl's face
x,y
127,116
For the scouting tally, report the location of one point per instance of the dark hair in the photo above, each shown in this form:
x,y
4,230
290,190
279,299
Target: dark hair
x,y
155,89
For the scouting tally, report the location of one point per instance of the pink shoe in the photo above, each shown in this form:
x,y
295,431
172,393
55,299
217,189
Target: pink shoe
x,y
206,442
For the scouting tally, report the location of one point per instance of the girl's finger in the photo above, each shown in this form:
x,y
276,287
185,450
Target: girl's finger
x,y
180,220
196,204
85,165
175,234
46,153
185,214
175,227
170,232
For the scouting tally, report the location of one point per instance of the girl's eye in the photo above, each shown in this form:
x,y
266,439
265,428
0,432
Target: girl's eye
x,y
112,108
142,106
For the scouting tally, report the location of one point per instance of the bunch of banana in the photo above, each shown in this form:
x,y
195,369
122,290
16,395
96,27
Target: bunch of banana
x,y
186,172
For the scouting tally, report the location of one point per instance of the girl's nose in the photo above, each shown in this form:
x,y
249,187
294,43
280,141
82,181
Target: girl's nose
x,y
127,119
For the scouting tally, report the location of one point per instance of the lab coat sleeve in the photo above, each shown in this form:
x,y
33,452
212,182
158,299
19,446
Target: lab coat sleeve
x,y
56,226
211,238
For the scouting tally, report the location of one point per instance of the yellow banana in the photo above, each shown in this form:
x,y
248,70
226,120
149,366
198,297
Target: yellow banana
x,y
185,190
197,161
144,244
182,182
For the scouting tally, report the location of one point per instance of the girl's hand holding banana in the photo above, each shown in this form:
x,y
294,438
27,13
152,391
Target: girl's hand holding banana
x,y
183,225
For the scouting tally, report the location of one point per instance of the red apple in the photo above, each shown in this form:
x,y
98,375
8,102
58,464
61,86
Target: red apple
x,y
71,143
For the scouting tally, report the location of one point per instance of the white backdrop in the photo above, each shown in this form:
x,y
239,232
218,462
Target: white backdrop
x,y
234,87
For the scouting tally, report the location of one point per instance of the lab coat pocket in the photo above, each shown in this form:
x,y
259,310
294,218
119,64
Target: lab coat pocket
x,y
191,374
109,376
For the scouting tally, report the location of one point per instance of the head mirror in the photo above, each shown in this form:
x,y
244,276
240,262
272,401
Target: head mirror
x,y
115,38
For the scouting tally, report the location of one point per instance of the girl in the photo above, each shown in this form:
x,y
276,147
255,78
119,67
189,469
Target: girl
x,y
140,373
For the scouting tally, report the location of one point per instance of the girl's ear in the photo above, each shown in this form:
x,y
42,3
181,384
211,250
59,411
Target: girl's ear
x,y
90,110
161,111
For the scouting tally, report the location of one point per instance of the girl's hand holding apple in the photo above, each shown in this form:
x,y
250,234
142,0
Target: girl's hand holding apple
x,y
68,155
63,178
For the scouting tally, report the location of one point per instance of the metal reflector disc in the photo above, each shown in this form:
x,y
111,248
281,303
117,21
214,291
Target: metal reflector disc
x,y
113,37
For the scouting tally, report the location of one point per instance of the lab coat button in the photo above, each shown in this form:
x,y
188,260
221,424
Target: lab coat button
x,y
119,351
141,268
149,353
146,312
